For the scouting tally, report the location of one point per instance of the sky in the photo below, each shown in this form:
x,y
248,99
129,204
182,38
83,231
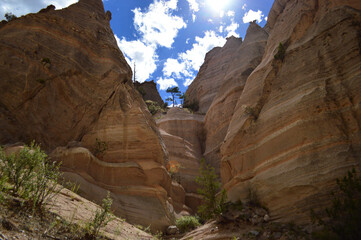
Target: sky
x,y
166,40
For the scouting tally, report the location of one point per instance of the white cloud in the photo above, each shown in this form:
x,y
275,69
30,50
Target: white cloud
x,y
252,15
172,66
157,25
23,7
144,56
244,6
194,17
193,5
187,40
165,83
230,13
195,56
220,29
188,82
231,29
266,18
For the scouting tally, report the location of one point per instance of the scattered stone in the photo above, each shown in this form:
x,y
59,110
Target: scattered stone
x,y
171,230
254,233
276,235
266,218
8,225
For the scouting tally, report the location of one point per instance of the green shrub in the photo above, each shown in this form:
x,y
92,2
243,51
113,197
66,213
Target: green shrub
x,y
344,216
280,55
212,205
9,16
153,107
100,148
29,175
101,219
45,60
187,223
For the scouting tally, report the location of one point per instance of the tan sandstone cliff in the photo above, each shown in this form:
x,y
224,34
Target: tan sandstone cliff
x,y
66,84
183,136
286,128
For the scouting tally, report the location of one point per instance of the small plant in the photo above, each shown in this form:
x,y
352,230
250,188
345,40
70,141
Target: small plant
x,y
9,16
29,175
209,185
72,186
153,107
101,219
280,55
100,148
253,198
251,112
45,61
187,223
344,216
41,81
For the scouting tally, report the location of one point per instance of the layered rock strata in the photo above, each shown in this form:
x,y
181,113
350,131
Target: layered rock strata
x,y
296,125
209,78
66,83
245,59
183,136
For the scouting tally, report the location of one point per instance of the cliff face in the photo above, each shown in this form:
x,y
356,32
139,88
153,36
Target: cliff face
x,y
296,125
149,91
245,59
65,82
183,135
286,128
209,78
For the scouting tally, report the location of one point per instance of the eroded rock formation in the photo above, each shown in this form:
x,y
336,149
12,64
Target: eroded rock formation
x,y
183,136
286,127
65,83
149,91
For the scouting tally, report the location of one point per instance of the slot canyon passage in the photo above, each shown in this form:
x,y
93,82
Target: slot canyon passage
x,y
278,114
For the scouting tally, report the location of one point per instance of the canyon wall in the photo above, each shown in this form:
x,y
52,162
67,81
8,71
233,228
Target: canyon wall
x,y
66,85
286,127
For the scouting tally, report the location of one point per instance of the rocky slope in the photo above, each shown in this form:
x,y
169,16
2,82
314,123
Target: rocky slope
x,y
68,86
286,128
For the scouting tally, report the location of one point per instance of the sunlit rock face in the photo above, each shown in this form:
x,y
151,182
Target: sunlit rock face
x,y
66,83
245,59
296,125
209,78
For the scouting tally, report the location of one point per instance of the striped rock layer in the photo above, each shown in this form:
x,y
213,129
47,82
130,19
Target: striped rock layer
x,y
64,82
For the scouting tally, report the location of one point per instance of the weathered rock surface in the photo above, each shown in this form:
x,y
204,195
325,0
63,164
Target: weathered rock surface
x,y
209,78
149,89
245,59
65,81
183,135
302,127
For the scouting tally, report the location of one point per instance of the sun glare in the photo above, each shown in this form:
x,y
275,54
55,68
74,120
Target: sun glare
x,y
218,5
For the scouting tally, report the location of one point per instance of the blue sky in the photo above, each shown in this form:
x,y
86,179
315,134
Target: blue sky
x,y
167,39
